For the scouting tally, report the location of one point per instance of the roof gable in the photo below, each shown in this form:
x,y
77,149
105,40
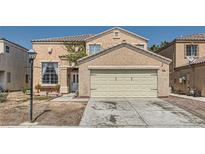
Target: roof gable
x,y
137,49
113,29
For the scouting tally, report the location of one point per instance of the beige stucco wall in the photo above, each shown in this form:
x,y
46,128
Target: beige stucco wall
x,y
108,40
181,59
176,52
196,79
17,63
58,49
124,57
169,52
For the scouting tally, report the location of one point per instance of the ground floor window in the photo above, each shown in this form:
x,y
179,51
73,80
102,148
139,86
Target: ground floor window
x,y
8,77
27,78
49,73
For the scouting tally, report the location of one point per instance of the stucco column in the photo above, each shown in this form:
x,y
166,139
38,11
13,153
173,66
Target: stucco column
x,y
64,88
64,84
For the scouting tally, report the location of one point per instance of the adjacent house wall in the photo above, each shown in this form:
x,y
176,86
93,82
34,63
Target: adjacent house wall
x,y
15,62
108,40
199,78
181,59
124,57
195,78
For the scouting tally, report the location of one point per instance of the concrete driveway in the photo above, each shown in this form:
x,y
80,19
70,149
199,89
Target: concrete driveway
x,y
136,112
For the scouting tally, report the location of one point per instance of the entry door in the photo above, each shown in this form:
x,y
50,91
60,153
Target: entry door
x,y
74,81
124,83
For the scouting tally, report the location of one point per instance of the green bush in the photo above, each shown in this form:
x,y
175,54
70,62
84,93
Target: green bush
x,y
26,90
73,57
3,97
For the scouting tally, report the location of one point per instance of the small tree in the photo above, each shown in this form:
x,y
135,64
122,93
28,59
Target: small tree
x,y
76,50
156,47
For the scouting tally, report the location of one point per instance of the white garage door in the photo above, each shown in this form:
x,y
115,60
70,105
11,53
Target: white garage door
x,y
123,83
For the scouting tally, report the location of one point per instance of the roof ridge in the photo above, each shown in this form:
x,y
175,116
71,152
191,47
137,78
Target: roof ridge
x,y
58,37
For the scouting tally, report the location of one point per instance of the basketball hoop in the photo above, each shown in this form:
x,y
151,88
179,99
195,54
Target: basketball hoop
x,y
191,59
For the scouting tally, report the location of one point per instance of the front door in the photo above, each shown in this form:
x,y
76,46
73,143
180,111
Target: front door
x,y
74,81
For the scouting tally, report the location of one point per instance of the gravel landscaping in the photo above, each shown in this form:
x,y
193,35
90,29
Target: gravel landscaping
x,y
13,113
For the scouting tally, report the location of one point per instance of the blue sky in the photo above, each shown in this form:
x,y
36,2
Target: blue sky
x,y
23,35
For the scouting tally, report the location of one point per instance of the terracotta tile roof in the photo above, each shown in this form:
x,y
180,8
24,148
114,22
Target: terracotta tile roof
x,y
64,39
199,61
199,37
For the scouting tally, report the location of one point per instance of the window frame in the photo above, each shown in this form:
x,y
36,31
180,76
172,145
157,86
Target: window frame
x,y
137,45
7,49
8,77
116,37
26,78
94,44
41,75
197,50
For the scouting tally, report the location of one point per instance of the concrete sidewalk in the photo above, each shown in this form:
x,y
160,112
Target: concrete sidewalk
x,y
202,99
69,98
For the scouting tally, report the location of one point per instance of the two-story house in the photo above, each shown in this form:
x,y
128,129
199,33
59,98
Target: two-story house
x,y
118,64
14,63
187,70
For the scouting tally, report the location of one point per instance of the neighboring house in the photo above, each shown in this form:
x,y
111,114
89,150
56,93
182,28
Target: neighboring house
x,y
186,75
14,72
117,64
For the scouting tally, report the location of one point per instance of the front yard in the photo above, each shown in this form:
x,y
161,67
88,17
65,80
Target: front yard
x,y
13,113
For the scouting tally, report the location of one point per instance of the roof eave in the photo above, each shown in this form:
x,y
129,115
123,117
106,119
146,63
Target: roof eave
x,y
99,34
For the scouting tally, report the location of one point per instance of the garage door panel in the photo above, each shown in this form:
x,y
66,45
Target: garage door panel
x,y
126,94
123,87
138,82
117,78
123,75
129,71
123,83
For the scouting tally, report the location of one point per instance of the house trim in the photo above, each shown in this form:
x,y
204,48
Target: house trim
x,y
123,67
114,29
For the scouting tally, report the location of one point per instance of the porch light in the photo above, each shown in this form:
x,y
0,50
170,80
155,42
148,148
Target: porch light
x,y
32,55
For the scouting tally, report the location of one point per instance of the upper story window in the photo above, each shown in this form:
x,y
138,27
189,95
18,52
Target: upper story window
x,y
142,46
191,50
7,49
94,48
116,34
49,73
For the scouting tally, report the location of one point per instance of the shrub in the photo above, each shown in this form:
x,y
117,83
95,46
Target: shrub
x,y
57,88
26,90
3,97
38,87
48,89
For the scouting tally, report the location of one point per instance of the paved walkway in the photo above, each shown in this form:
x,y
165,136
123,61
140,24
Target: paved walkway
x,y
69,98
136,112
189,97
